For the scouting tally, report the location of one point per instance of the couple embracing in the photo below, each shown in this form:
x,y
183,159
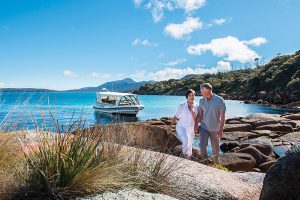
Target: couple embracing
x,y
210,113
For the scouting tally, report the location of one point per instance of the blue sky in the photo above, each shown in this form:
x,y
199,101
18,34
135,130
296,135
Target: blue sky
x,y
65,44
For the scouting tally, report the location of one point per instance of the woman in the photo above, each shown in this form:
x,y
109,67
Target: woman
x,y
186,115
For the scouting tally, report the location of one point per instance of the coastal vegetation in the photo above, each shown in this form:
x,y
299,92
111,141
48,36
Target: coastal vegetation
x,y
217,166
276,82
76,162
11,166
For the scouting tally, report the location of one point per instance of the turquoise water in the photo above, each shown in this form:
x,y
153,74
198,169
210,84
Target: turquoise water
x,y
30,110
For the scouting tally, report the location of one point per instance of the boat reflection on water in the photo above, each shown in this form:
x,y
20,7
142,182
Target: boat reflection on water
x,y
106,118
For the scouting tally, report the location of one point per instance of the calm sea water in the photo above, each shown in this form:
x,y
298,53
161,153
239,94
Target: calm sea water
x,y
28,110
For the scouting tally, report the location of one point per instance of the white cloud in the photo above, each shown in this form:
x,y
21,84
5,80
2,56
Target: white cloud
x,y
145,42
179,31
137,2
222,66
157,7
256,41
190,5
2,85
229,47
175,62
219,21
70,74
169,73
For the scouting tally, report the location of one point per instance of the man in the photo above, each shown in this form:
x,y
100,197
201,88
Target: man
x,y
211,115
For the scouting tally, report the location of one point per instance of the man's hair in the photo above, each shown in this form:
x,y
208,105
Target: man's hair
x,y
206,86
188,92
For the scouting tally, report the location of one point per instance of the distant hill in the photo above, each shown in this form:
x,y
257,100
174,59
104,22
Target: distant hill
x,y
277,82
125,85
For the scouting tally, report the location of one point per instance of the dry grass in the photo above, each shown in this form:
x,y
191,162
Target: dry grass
x,y
64,166
151,170
78,161
11,167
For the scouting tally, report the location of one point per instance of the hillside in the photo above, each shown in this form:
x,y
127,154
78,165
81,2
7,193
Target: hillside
x,y
125,85
277,82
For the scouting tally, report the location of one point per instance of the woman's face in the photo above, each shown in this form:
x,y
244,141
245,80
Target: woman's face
x,y
191,97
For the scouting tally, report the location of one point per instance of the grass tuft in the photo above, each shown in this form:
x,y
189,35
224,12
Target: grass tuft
x,y
75,161
63,166
11,167
220,167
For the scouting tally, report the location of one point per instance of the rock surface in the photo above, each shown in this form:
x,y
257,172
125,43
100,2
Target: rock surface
x,y
236,136
282,181
129,194
192,180
152,135
237,162
247,157
237,127
227,146
263,131
259,157
285,128
203,182
292,138
293,116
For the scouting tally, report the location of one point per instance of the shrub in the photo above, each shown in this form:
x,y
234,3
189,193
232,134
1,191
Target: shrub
x,y
220,167
65,166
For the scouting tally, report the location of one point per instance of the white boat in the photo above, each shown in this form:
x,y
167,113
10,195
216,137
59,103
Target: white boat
x,y
117,103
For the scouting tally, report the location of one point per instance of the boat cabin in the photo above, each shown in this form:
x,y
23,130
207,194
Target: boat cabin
x,y
119,99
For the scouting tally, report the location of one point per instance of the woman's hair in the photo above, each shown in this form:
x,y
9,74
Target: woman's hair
x,y
188,92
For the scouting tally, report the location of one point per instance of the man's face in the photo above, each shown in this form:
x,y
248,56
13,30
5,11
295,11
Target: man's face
x,y
205,92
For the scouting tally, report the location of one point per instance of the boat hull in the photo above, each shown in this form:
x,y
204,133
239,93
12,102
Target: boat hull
x,y
127,110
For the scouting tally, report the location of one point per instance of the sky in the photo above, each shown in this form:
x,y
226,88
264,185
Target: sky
x,y
68,44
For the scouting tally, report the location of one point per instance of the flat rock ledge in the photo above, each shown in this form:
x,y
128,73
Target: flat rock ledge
x,y
132,194
192,180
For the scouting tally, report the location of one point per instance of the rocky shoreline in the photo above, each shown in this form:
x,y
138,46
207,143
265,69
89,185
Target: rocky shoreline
x,y
274,99
248,143
294,106
248,146
261,98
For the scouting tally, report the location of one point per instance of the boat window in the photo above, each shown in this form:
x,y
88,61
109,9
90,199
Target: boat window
x,y
135,99
109,99
126,100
